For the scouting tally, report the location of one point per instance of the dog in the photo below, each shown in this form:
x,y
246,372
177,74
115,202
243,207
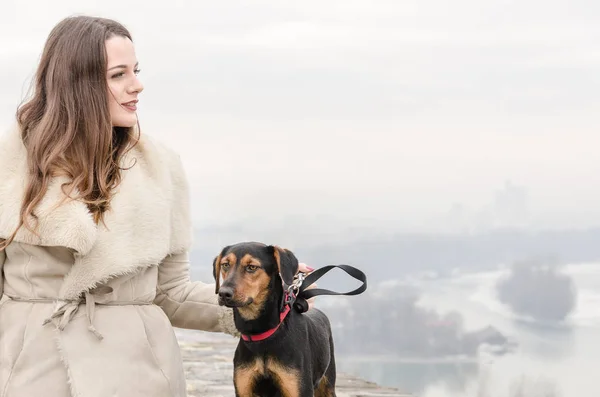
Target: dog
x,y
281,352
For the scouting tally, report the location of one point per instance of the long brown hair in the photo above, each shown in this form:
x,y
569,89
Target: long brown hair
x,y
66,125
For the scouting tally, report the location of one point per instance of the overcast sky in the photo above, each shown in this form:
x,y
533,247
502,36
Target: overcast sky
x,y
418,115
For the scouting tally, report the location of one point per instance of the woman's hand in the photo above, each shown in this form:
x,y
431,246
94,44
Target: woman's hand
x,y
303,268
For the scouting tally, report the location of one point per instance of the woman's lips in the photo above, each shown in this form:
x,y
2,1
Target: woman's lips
x,y
131,106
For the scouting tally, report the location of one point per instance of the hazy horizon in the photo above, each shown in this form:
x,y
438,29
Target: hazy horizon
x,y
424,116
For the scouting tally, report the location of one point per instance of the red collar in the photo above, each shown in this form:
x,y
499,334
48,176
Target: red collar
x,y
265,335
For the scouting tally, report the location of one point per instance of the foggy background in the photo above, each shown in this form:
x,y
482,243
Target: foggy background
x,y
392,114
442,147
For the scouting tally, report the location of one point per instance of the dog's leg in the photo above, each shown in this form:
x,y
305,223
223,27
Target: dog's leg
x,y
243,385
244,377
331,370
290,381
330,374
326,386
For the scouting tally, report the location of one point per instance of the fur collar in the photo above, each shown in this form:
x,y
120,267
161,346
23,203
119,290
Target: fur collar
x,y
149,219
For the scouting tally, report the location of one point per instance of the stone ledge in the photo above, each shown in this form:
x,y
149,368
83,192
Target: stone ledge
x,y
208,366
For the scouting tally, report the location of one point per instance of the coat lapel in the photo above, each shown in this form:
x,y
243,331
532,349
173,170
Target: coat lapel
x,y
149,217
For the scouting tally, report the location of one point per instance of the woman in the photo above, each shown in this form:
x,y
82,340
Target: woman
x,y
95,231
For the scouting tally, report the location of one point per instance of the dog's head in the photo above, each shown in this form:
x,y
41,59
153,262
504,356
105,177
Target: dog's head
x,y
249,271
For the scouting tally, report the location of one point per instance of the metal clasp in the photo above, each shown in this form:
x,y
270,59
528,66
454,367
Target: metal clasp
x,y
295,287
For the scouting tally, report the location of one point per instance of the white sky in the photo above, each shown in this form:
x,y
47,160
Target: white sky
x,y
404,114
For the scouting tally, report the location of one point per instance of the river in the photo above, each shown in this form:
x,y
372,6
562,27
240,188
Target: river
x,y
549,361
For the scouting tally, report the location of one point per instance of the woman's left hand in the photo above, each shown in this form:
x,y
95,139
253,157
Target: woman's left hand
x,y
304,268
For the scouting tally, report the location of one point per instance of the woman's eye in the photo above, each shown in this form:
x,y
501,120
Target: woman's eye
x,y
121,74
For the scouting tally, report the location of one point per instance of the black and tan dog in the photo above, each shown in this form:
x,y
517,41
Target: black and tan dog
x,y
281,352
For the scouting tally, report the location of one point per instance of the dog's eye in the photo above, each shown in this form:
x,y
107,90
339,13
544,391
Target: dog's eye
x,y
251,268
225,266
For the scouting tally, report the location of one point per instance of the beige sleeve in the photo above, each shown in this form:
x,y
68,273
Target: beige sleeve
x,y
190,304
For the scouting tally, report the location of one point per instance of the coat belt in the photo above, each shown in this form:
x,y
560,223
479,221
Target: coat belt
x,y
66,309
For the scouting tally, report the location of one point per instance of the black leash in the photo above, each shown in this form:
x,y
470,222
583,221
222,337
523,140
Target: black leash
x,y
301,304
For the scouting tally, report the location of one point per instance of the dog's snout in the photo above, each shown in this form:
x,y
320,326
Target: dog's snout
x,y
226,293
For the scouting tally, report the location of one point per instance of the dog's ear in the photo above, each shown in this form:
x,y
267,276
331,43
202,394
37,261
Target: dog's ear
x,y
217,272
217,269
287,263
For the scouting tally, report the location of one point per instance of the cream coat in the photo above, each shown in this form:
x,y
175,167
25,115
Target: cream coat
x,y
88,311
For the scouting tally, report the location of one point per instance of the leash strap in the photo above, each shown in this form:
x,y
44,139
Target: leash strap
x,y
304,294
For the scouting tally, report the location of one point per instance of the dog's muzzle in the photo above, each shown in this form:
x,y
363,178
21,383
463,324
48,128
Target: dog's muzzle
x,y
226,298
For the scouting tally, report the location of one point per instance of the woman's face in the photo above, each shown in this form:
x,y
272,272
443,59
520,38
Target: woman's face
x,y
123,83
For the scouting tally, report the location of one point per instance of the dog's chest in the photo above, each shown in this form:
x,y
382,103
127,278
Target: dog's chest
x,y
265,373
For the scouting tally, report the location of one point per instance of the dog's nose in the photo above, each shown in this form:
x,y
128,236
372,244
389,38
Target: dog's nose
x,y
226,293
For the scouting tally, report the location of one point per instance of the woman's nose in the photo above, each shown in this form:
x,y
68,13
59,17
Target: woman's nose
x,y
137,86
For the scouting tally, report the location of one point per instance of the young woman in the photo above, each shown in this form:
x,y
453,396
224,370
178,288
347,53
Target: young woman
x,y
95,232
